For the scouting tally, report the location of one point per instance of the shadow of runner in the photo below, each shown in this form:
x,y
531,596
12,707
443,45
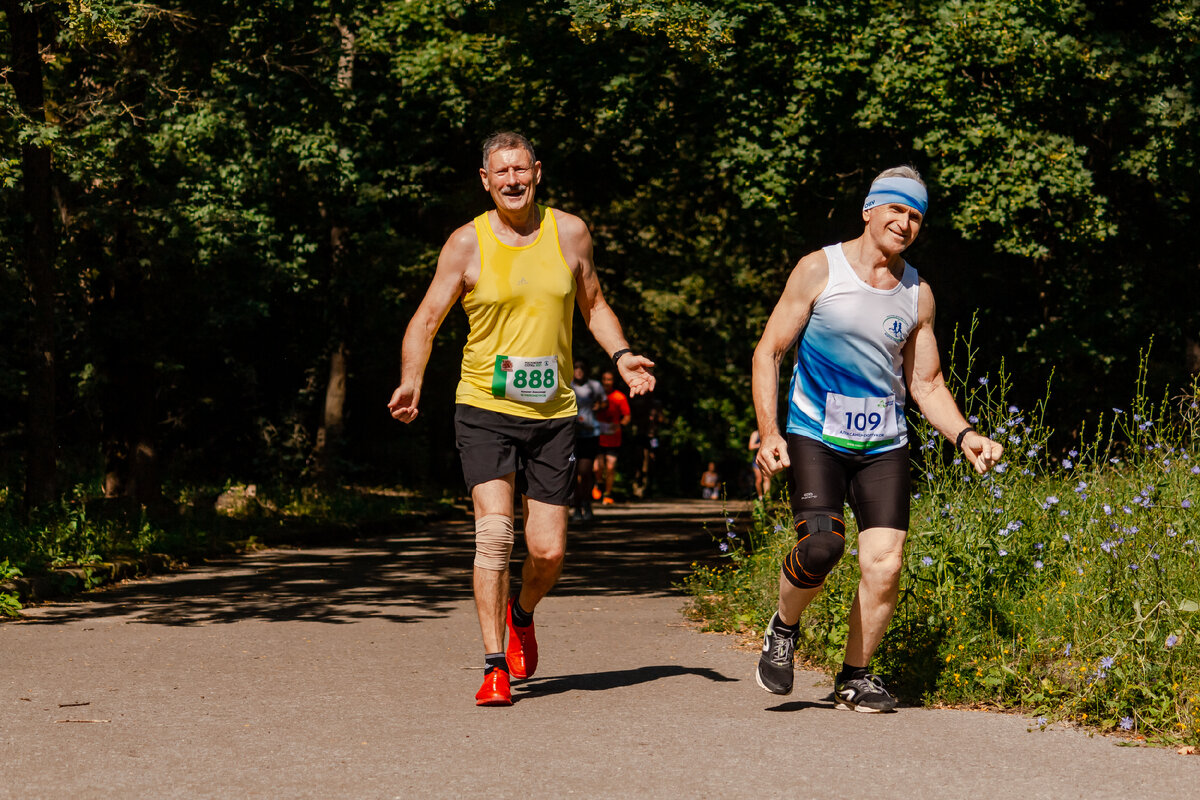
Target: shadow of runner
x,y
615,679
802,705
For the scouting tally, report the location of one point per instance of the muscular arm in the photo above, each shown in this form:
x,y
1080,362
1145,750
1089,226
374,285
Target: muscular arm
x,y
804,285
927,388
449,282
600,319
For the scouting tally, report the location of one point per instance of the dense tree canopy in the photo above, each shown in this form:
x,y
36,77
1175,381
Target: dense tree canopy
x,y
219,217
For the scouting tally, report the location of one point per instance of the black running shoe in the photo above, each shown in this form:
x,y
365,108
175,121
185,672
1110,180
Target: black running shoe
x,y
775,670
864,694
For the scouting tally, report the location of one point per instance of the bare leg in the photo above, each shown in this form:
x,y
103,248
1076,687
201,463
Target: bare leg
x,y
600,471
584,480
610,472
546,541
793,600
491,586
880,552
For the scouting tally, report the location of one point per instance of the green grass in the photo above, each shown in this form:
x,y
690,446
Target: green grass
x,y
82,530
1066,587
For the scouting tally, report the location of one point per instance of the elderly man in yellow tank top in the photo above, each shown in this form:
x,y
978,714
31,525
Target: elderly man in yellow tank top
x,y
518,270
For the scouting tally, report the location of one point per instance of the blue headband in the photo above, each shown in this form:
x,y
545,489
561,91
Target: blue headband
x,y
905,191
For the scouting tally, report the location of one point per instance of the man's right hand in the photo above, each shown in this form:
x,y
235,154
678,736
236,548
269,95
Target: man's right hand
x,y
773,454
403,404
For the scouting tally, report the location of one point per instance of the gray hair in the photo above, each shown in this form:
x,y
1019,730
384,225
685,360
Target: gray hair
x,y
902,171
506,140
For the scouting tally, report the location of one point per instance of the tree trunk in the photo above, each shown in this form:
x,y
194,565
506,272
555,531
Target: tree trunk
x,y
38,252
128,376
332,429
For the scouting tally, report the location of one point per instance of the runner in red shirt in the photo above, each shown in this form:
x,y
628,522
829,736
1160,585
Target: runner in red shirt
x,y
611,419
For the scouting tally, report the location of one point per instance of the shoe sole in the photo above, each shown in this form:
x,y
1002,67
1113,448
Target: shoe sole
x,y
844,706
758,679
494,702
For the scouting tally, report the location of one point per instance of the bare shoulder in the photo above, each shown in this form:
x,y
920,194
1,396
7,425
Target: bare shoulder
x,y
813,265
462,241
569,224
574,238
810,275
460,253
925,302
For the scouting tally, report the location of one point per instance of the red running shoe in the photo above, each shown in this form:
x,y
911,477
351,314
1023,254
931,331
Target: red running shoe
x,y
495,690
522,651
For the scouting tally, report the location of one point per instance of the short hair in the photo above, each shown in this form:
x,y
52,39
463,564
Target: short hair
x,y
506,140
902,171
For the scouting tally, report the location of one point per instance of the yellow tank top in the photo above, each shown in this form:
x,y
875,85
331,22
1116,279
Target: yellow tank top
x,y
517,359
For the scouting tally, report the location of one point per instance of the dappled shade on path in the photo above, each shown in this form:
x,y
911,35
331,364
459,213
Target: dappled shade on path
x,y
406,576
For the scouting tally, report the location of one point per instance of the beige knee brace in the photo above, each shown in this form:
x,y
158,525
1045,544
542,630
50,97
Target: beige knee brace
x,y
493,541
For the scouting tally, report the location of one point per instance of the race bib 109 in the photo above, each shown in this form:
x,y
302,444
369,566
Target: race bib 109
x,y
859,422
526,380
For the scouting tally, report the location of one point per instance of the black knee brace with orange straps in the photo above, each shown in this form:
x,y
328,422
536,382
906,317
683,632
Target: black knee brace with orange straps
x,y
820,542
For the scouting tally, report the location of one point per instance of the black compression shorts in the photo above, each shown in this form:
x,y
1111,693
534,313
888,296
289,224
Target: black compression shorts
x,y
876,484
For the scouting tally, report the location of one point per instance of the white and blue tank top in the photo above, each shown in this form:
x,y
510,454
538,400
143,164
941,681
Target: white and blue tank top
x,y
847,385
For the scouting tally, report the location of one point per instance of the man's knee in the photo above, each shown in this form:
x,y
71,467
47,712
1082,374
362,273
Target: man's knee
x,y
884,568
821,540
493,541
548,557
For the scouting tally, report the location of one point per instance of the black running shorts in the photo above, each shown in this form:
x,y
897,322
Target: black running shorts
x,y
876,484
540,451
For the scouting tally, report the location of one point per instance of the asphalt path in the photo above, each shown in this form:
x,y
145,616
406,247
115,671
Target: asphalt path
x,y
349,669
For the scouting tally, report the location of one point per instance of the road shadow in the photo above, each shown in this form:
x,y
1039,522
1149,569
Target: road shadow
x,y
406,576
614,679
802,705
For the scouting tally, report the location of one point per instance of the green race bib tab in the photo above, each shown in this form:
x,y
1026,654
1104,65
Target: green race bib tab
x,y
859,422
525,380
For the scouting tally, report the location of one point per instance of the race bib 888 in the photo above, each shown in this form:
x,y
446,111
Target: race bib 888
x,y
526,380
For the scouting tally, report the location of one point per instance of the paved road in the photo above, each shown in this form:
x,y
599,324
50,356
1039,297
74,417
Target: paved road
x,y
348,671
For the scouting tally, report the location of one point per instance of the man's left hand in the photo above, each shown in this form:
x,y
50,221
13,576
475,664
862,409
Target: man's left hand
x,y
635,371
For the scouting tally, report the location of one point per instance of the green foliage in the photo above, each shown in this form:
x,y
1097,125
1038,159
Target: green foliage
x,y
1066,587
204,159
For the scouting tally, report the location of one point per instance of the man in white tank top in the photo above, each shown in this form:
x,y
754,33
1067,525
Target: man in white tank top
x,y
862,322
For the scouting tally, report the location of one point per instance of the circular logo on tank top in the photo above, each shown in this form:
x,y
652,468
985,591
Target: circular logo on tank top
x,y
893,328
